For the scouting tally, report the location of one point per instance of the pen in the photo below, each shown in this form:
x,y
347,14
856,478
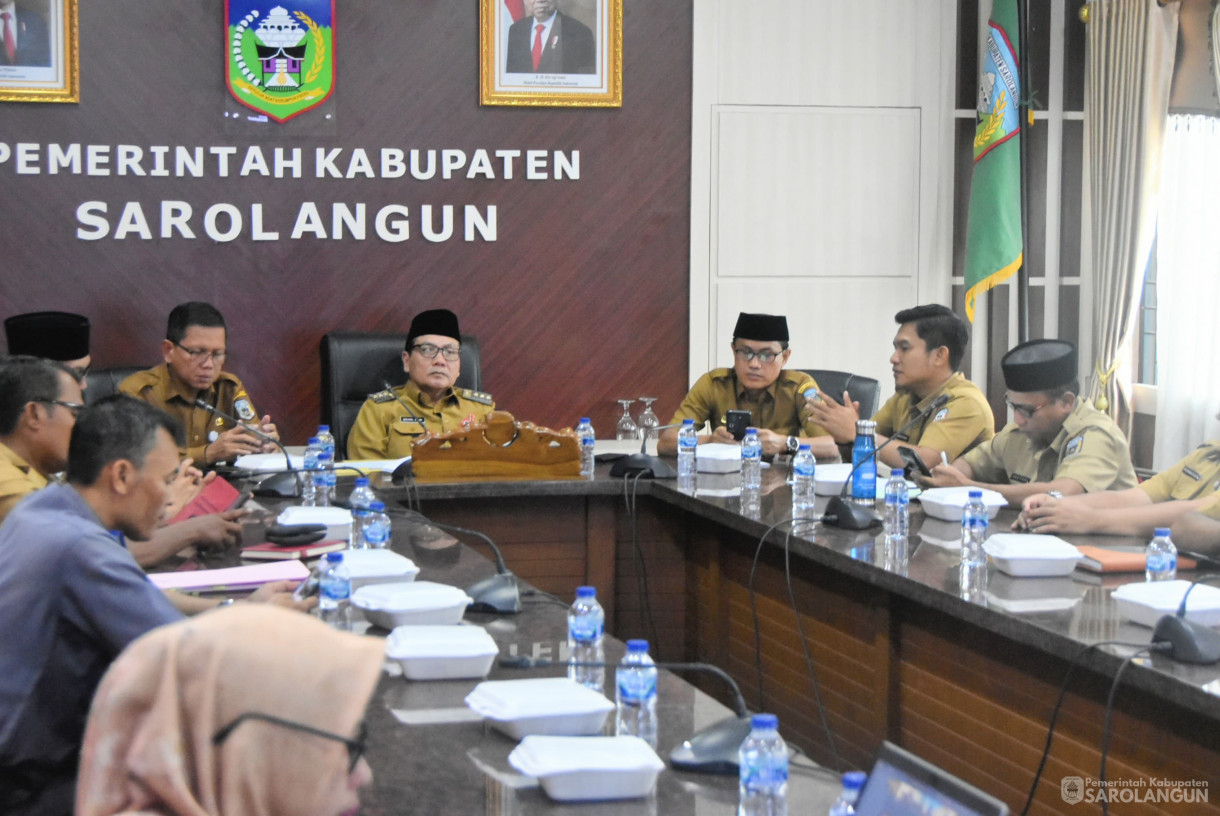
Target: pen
x,y
944,458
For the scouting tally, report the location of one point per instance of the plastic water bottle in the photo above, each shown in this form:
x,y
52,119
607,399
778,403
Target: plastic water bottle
x,y
762,763
322,476
359,500
335,593
635,682
803,496
328,444
845,805
897,505
586,628
309,493
1161,557
864,460
688,440
974,530
377,527
585,436
751,459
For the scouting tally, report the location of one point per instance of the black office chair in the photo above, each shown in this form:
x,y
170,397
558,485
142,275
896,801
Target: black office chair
x,y
103,382
356,364
864,390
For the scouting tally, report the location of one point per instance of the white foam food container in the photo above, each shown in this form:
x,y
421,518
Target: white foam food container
x,y
378,567
417,603
574,769
442,652
549,706
947,503
1024,555
717,457
337,520
1145,603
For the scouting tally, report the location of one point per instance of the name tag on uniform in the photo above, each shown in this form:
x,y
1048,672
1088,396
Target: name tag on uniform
x,y
416,420
902,437
1192,473
1017,478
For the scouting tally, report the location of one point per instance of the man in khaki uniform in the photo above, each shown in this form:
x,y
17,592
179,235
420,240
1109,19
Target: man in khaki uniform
x,y
389,421
928,351
38,404
1191,485
194,353
757,383
1055,441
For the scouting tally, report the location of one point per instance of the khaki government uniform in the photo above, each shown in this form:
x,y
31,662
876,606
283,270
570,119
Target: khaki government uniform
x,y
1089,448
965,422
778,407
156,387
17,480
1195,477
385,429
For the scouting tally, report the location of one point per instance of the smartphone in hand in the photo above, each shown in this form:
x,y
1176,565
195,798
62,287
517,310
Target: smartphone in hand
x,y
736,423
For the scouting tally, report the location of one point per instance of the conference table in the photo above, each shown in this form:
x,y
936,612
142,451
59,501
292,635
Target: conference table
x,y
963,669
431,755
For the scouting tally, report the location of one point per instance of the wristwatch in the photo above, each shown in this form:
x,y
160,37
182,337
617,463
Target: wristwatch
x,y
794,445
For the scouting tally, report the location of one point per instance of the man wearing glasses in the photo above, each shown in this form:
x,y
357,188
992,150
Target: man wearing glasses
x,y
38,404
757,383
390,420
59,336
1055,442
194,352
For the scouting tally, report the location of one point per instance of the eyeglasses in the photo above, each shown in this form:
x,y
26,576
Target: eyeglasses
x,y
355,747
430,351
1026,411
199,355
74,407
80,371
765,356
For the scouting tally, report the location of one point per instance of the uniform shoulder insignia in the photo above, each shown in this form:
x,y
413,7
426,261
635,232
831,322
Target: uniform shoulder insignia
x,y
227,377
719,373
243,408
1073,446
475,396
382,396
941,414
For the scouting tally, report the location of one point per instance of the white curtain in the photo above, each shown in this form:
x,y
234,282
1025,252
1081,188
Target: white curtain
x,y
1188,289
1130,48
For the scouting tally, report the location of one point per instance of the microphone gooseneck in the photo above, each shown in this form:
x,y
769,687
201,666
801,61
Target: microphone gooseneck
x,y
258,433
399,399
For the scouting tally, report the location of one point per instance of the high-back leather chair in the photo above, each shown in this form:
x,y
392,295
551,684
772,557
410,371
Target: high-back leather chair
x,y
103,382
864,390
356,364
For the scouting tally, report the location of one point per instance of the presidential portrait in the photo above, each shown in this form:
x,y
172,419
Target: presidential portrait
x,y
38,51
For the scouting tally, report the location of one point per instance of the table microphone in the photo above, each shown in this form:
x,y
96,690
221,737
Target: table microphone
x,y
648,466
1188,642
712,750
844,514
500,592
286,484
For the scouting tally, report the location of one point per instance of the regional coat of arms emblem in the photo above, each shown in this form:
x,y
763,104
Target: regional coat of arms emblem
x,y
281,61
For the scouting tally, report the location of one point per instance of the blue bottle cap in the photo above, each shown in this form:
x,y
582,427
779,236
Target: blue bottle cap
x,y
334,557
584,420
1161,532
362,481
323,429
586,592
637,646
377,506
854,780
751,430
803,447
976,494
688,422
764,721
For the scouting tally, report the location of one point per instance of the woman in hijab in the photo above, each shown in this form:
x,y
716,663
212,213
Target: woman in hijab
x,y
246,710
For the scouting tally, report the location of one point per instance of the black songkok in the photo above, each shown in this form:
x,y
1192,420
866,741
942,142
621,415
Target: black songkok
x,y
762,327
1039,365
58,336
434,321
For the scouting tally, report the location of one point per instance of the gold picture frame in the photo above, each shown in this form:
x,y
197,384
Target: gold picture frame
x,y
46,64
565,68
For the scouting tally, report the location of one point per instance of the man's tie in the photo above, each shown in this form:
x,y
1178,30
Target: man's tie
x,y
10,43
537,42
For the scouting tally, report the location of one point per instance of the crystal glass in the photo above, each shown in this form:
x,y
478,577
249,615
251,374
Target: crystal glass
x,y
626,428
647,420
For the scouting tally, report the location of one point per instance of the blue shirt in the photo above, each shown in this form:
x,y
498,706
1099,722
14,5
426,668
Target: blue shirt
x,y
71,597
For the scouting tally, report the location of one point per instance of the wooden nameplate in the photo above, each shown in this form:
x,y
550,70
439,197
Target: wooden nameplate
x,y
501,448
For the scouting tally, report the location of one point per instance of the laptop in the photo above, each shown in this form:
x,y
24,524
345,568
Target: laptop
x,y
902,784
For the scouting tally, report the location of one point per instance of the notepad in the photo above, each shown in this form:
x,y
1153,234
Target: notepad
x,y
231,578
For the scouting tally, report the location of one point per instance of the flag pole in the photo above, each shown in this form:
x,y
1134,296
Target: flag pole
x,y
1024,113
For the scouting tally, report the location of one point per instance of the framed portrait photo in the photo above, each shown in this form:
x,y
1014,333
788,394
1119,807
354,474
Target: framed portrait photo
x,y
552,53
39,57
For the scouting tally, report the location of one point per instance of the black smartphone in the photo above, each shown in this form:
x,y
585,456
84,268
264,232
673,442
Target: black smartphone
x,y
306,589
913,462
736,422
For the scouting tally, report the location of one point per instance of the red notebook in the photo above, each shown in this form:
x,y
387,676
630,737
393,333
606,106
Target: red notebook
x,y
274,552
216,497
